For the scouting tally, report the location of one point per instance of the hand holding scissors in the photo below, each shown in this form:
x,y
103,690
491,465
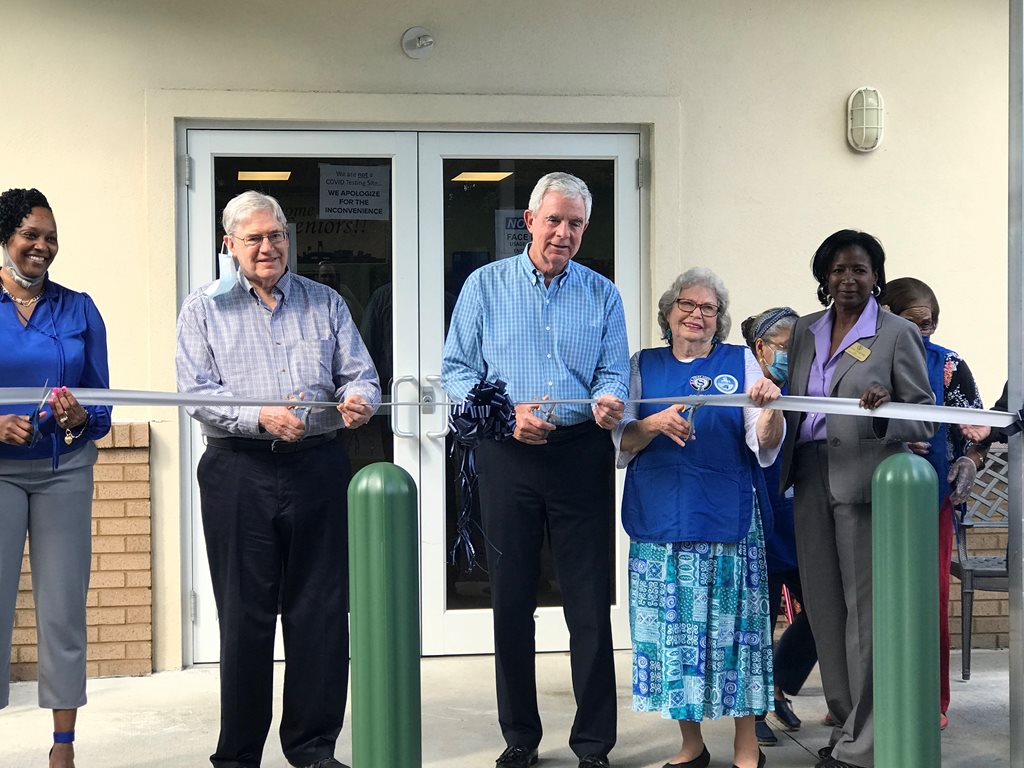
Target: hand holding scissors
x,y
24,430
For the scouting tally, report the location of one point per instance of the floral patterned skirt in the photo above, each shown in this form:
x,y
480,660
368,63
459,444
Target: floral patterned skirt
x,y
698,615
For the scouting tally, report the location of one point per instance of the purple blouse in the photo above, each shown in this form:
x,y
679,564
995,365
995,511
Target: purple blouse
x,y
819,381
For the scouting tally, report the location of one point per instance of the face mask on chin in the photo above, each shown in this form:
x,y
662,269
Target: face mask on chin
x,y
20,279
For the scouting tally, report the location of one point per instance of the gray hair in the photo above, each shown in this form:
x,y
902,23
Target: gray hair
x,y
564,184
769,323
696,276
242,206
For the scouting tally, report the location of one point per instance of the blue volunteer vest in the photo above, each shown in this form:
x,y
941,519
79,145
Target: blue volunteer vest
x,y
780,544
703,492
935,356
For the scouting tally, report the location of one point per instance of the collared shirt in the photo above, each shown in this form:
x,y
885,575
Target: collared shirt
x,y
819,383
63,345
236,345
566,340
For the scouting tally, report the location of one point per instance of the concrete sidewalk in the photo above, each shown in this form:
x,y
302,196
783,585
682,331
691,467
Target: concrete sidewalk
x,y
170,720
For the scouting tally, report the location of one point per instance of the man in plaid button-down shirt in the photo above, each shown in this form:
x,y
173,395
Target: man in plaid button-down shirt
x,y
273,484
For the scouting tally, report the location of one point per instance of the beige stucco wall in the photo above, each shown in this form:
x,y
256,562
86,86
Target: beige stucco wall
x,y
743,103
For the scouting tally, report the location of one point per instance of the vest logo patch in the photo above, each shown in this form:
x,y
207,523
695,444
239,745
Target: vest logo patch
x,y
726,384
700,383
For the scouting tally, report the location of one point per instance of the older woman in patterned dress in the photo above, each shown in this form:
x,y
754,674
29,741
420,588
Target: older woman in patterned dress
x,y
692,507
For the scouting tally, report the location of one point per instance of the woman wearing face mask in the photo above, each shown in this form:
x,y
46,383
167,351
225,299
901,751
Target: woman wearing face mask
x,y
767,335
956,459
53,339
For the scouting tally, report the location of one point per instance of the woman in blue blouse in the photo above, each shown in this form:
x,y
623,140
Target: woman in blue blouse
x,y
54,339
692,506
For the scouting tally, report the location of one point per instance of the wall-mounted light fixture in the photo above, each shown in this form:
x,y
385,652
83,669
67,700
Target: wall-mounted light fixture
x,y
865,119
417,42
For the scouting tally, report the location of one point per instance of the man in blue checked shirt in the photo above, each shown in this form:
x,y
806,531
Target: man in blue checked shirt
x,y
552,330
273,484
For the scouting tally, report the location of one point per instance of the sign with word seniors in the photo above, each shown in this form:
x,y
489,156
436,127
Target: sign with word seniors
x,y
355,192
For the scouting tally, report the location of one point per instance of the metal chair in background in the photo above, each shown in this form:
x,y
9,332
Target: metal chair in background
x,y
985,510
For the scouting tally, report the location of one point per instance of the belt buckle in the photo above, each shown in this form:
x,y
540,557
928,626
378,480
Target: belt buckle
x,y
274,444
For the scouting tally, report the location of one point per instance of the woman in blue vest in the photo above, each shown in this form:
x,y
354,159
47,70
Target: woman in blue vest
x,y
767,335
956,459
698,585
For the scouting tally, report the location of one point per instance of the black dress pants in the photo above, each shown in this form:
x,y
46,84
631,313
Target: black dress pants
x,y
276,528
564,488
795,653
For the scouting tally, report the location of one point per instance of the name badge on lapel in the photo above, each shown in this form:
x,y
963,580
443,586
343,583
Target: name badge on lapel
x,y
858,352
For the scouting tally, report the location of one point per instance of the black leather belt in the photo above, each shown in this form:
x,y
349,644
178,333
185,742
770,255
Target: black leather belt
x,y
250,445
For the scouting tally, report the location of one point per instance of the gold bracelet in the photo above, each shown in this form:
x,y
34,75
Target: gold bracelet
x,y
70,438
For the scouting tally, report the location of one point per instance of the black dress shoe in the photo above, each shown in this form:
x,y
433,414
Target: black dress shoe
x,y
517,757
700,761
786,715
760,760
765,736
327,762
593,761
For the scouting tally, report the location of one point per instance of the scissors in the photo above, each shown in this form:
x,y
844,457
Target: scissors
x,y
545,414
693,426
34,418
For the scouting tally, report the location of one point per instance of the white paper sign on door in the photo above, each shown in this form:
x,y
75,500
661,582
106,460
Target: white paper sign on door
x,y
355,192
510,232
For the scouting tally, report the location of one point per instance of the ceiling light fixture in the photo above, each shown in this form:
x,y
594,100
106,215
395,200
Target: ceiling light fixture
x,y
264,175
483,176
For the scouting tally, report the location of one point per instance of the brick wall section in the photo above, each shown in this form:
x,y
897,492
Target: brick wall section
x,y
119,606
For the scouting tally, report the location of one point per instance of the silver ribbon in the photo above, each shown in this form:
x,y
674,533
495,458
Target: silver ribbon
x,y
831,405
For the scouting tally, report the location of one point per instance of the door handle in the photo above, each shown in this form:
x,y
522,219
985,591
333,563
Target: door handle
x,y
432,378
394,409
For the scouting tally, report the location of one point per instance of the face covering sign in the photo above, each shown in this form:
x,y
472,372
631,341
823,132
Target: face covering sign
x,y
510,232
355,192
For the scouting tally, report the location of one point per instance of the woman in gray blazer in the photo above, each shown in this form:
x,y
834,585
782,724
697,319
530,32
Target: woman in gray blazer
x,y
853,349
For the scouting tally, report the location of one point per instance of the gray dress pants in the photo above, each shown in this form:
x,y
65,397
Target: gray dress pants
x,y
54,509
833,543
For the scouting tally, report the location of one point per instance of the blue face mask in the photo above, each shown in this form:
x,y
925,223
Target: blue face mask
x,y
779,367
228,275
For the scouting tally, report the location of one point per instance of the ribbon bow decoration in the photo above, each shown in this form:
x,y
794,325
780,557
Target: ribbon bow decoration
x,y
487,413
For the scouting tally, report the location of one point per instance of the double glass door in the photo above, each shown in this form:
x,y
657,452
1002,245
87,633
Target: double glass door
x,y
395,222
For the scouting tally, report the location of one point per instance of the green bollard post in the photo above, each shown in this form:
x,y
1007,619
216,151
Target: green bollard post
x,y
384,617
905,554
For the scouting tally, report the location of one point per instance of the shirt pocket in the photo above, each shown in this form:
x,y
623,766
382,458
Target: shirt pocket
x,y
312,361
579,346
